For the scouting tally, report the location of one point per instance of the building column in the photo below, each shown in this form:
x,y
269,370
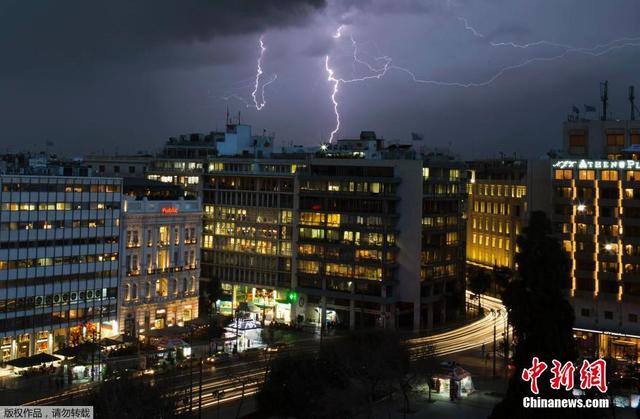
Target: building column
x,y
323,314
429,316
234,289
352,314
416,316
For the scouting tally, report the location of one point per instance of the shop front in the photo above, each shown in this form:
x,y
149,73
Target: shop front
x,y
43,341
264,305
24,342
5,348
621,347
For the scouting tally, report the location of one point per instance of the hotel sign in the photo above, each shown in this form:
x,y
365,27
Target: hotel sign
x,y
169,210
597,164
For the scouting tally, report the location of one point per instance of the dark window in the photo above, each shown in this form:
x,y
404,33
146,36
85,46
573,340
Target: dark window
x,y
608,315
116,169
633,318
101,168
584,312
132,169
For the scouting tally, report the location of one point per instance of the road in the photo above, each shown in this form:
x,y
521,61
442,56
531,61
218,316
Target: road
x,y
466,337
229,383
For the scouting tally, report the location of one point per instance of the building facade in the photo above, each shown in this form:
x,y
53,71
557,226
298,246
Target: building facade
x,y
357,241
597,216
160,267
502,194
59,257
598,139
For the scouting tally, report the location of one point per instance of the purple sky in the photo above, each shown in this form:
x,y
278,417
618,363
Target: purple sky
x,y
125,75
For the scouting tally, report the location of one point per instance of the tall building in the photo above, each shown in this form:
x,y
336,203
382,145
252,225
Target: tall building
x,y
160,270
335,235
502,194
248,233
597,139
58,262
184,159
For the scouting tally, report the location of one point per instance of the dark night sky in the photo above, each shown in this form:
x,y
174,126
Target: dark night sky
x,y
122,76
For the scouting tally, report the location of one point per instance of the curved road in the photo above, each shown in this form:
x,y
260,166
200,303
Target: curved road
x,y
243,379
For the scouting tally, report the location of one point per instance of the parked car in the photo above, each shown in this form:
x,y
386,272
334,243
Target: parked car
x,y
278,347
251,353
189,363
219,358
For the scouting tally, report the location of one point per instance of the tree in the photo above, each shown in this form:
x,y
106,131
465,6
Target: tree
x,y
541,316
479,284
134,398
501,278
346,377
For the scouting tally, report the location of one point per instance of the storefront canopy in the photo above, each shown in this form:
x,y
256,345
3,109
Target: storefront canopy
x,y
32,361
166,332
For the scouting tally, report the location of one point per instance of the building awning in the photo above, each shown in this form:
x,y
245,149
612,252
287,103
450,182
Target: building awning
x,y
33,360
83,349
166,332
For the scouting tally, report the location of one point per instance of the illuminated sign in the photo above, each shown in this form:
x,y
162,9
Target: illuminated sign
x,y
597,164
169,210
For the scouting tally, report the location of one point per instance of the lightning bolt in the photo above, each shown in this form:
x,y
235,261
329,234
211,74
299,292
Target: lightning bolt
x,y
260,105
379,72
336,85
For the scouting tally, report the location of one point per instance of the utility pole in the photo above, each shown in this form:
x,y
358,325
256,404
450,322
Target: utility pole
x,y
190,386
494,348
200,392
220,395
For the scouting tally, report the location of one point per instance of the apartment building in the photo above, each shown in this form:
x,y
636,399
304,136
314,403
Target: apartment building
x,y
160,268
59,256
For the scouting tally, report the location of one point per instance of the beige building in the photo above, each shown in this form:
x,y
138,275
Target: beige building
x,y
502,193
160,263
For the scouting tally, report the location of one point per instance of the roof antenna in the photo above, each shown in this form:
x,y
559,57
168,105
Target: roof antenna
x,y
632,98
238,117
227,114
604,96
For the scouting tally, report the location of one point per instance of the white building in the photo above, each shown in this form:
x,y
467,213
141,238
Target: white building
x,y
58,262
160,264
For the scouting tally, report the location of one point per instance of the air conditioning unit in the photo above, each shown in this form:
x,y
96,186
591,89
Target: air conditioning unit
x,y
65,297
39,300
74,296
57,298
90,295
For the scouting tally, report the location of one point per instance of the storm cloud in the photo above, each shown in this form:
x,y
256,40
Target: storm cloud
x,y
129,74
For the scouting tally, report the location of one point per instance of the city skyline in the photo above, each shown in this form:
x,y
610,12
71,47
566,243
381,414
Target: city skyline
x,y
143,74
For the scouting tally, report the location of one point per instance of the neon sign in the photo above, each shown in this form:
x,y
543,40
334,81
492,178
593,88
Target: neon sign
x,y
169,210
597,164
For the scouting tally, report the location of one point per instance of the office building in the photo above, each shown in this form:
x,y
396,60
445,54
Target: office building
x,y
58,262
502,194
334,235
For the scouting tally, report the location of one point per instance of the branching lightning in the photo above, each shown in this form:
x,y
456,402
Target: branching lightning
x,y
336,85
260,105
380,72
258,92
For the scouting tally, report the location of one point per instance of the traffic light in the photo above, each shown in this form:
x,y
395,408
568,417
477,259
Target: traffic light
x,y
292,297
